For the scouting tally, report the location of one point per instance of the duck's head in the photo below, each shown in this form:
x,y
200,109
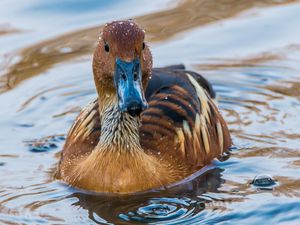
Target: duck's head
x,y
122,65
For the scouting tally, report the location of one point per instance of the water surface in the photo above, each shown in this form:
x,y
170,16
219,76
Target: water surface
x,y
249,50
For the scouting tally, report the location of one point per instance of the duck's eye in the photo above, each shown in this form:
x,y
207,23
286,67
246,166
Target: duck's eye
x,y
143,45
106,47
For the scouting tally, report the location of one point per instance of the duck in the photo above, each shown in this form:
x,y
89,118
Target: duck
x,y
148,128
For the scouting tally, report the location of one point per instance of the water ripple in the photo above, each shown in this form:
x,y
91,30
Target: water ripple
x,y
164,211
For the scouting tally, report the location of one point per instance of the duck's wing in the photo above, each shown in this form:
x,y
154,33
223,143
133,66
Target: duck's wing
x,y
84,134
175,75
182,121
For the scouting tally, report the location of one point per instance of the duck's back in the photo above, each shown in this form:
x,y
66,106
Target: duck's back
x,y
182,123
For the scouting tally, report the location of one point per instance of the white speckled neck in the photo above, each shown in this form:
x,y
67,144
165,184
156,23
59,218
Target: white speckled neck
x,y
119,131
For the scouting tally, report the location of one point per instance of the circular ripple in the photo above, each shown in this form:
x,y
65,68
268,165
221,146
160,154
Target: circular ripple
x,y
162,210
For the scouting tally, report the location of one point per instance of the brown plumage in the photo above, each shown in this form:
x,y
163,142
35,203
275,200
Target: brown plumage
x,y
115,151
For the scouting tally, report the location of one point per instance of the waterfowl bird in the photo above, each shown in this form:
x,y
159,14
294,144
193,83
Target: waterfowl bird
x,y
148,128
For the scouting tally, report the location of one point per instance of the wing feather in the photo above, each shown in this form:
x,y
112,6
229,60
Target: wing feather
x,y
182,120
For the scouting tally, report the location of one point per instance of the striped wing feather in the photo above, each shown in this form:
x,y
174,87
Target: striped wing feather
x,y
182,120
84,134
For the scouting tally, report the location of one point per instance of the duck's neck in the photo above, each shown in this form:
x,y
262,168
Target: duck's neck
x,y
119,131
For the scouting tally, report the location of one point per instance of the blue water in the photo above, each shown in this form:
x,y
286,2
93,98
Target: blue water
x,y
249,50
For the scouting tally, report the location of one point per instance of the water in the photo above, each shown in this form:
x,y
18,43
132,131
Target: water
x,y
249,50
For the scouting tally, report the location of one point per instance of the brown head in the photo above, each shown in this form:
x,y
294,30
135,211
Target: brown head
x,y
122,65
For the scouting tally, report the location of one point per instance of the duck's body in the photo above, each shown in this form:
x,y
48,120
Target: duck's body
x,y
108,150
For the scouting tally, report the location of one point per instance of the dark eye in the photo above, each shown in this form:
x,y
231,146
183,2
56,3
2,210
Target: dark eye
x,y
106,47
143,45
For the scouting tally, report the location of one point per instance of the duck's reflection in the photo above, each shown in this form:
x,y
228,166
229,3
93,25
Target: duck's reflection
x,y
152,206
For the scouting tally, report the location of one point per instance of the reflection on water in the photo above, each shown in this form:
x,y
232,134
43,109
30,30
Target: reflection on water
x,y
159,26
249,50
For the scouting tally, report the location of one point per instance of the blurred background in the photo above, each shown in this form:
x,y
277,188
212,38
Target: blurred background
x,y
249,50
